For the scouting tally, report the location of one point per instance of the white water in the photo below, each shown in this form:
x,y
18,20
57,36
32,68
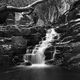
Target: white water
x,y
38,52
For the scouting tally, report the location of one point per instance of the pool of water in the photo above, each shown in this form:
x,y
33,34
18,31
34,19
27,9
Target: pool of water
x,y
39,72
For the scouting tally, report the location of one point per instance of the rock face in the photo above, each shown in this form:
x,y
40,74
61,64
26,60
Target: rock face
x,y
12,47
68,46
14,41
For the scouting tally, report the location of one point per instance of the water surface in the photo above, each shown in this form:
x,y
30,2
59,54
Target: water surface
x,y
39,73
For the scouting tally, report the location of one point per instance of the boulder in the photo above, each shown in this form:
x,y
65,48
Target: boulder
x,y
28,63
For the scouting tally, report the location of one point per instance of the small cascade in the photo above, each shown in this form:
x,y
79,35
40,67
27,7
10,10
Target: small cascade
x,y
37,55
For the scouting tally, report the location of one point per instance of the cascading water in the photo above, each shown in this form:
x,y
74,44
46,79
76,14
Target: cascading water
x,y
37,56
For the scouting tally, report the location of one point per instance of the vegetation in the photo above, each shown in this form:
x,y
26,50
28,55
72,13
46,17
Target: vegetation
x,y
58,14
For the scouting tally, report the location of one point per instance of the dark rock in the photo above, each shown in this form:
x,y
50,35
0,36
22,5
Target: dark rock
x,y
68,46
15,46
49,61
26,63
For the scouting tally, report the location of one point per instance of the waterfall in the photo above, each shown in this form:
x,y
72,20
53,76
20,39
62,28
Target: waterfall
x,y
38,56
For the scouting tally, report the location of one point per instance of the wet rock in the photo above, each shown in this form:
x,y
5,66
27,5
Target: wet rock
x,y
19,42
15,46
69,43
17,39
4,60
49,53
27,63
49,62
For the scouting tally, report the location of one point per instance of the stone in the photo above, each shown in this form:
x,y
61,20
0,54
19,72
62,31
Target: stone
x,y
26,63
